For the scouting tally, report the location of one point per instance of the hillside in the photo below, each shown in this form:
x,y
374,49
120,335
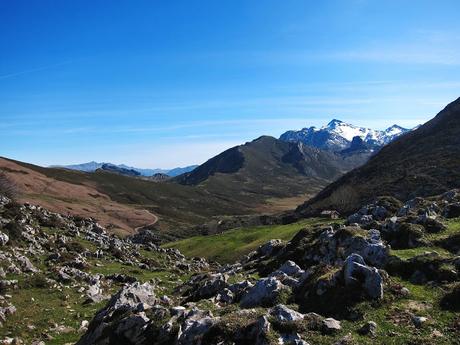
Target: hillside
x,y
66,280
117,200
265,175
423,162
265,183
270,168
51,188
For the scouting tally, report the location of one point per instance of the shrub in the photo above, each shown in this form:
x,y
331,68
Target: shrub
x,y
12,210
38,280
7,187
116,252
75,247
451,300
14,231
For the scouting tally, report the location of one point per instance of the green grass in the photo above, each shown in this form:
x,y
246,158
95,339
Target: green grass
x,y
453,228
412,252
232,245
391,332
42,308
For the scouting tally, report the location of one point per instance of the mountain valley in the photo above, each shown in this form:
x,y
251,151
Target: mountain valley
x,y
266,175
220,254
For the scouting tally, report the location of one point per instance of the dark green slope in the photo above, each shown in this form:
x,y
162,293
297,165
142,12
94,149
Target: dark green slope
x,y
421,163
269,167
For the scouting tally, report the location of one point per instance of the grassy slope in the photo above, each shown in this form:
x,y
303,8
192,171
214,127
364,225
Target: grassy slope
x,y
232,245
392,316
42,307
180,206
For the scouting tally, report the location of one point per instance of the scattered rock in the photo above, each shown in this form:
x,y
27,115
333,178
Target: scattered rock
x,y
3,239
369,328
26,265
331,325
269,248
291,339
419,321
265,292
283,313
195,325
356,273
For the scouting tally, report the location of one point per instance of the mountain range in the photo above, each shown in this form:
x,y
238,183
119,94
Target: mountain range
x,y
394,261
266,175
338,135
93,166
424,162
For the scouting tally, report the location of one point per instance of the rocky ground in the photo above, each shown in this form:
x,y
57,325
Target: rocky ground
x,y
386,275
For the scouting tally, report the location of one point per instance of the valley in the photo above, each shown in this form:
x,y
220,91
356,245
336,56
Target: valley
x,y
111,257
229,172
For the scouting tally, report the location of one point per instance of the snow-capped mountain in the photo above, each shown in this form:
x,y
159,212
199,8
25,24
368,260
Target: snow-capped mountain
x,y
338,135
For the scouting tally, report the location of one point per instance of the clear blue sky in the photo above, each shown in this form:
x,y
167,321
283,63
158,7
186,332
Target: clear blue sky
x,y
169,83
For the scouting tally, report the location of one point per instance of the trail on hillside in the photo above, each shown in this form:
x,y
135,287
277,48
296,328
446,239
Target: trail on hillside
x,y
136,229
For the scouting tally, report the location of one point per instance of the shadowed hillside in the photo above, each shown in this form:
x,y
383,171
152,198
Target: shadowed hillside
x,y
270,168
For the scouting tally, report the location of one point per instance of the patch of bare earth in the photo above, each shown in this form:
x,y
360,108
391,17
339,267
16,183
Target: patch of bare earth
x,y
75,199
282,204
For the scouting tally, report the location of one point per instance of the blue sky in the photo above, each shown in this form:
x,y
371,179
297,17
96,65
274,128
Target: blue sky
x,y
171,83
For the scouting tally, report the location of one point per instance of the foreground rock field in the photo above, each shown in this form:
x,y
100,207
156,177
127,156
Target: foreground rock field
x,y
386,275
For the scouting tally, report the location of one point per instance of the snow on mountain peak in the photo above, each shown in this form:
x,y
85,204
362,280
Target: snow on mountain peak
x,y
338,135
346,130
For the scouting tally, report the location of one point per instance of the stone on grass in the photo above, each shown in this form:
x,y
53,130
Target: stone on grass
x,y
331,325
265,292
283,313
369,328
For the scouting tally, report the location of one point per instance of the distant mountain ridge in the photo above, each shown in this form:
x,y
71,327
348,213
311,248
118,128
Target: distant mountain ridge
x,y
119,170
93,166
338,136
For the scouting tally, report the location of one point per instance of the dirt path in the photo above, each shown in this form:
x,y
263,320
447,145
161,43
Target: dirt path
x,y
147,225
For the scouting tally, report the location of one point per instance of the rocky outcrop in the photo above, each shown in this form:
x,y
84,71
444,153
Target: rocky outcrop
x,y
203,286
264,292
123,318
282,313
3,239
196,324
276,294
334,246
357,273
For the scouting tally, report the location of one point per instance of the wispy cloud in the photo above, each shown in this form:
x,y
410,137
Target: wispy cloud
x,y
406,55
33,70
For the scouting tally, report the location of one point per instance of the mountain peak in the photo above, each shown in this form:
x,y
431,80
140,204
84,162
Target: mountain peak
x,y
395,127
334,123
338,135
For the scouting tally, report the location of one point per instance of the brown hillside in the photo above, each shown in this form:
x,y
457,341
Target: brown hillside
x,y
75,199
